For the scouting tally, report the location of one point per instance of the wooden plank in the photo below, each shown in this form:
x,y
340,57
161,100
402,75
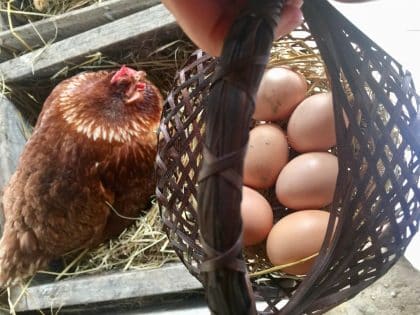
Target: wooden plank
x,y
12,141
3,25
46,61
172,278
68,24
12,138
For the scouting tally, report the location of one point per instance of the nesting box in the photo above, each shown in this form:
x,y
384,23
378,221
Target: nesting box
x,y
34,58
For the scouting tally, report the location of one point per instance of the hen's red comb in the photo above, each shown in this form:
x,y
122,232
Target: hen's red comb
x,y
124,73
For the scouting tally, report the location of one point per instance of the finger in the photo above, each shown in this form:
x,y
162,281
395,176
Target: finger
x,y
290,18
354,0
205,22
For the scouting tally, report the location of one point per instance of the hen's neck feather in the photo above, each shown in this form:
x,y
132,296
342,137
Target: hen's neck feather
x,y
94,108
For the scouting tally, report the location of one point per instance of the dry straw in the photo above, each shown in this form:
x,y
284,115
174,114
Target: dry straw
x,y
143,245
38,9
161,66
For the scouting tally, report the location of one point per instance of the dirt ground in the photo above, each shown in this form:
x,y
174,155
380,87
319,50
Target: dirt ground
x,y
396,293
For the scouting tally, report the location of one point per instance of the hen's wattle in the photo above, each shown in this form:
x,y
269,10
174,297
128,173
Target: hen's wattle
x,y
93,148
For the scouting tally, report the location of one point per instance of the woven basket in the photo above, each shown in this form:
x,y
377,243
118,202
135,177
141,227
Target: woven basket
x,y
202,139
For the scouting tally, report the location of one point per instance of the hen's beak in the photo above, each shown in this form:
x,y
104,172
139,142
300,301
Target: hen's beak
x,y
134,80
135,92
127,75
135,97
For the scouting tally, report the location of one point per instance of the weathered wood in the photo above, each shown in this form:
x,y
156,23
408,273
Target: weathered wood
x,y
68,24
2,26
12,141
12,138
173,278
138,27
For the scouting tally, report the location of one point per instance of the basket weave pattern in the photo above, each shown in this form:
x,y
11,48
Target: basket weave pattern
x,y
179,161
376,204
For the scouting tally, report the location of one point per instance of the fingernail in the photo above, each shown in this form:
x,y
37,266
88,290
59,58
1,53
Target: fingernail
x,y
294,3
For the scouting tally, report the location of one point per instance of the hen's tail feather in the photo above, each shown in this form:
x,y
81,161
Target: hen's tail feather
x,y
20,258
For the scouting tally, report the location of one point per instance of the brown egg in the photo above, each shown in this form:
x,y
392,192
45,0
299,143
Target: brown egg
x,y
311,126
257,216
308,181
266,155
280,91
295,237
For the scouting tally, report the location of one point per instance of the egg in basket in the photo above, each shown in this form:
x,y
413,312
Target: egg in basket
x,y
302,188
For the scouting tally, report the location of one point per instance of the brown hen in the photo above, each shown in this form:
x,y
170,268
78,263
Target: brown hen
x,y
93,148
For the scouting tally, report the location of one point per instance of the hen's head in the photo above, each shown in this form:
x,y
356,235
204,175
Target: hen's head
x,y
115,106
131,81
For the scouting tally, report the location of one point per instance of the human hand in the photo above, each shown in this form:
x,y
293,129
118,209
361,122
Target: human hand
x,y
207,22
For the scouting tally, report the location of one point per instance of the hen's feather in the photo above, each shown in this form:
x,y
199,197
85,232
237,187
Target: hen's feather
x,y
88,149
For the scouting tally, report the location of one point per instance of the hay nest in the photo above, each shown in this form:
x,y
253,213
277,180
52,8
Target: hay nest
x,y
18,12
143,245
144,237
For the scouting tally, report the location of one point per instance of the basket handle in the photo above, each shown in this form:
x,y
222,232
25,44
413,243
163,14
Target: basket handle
x,y
228,111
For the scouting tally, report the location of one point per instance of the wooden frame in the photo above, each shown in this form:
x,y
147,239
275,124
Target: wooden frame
x,y
66,25
116,286
50,59
77,38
